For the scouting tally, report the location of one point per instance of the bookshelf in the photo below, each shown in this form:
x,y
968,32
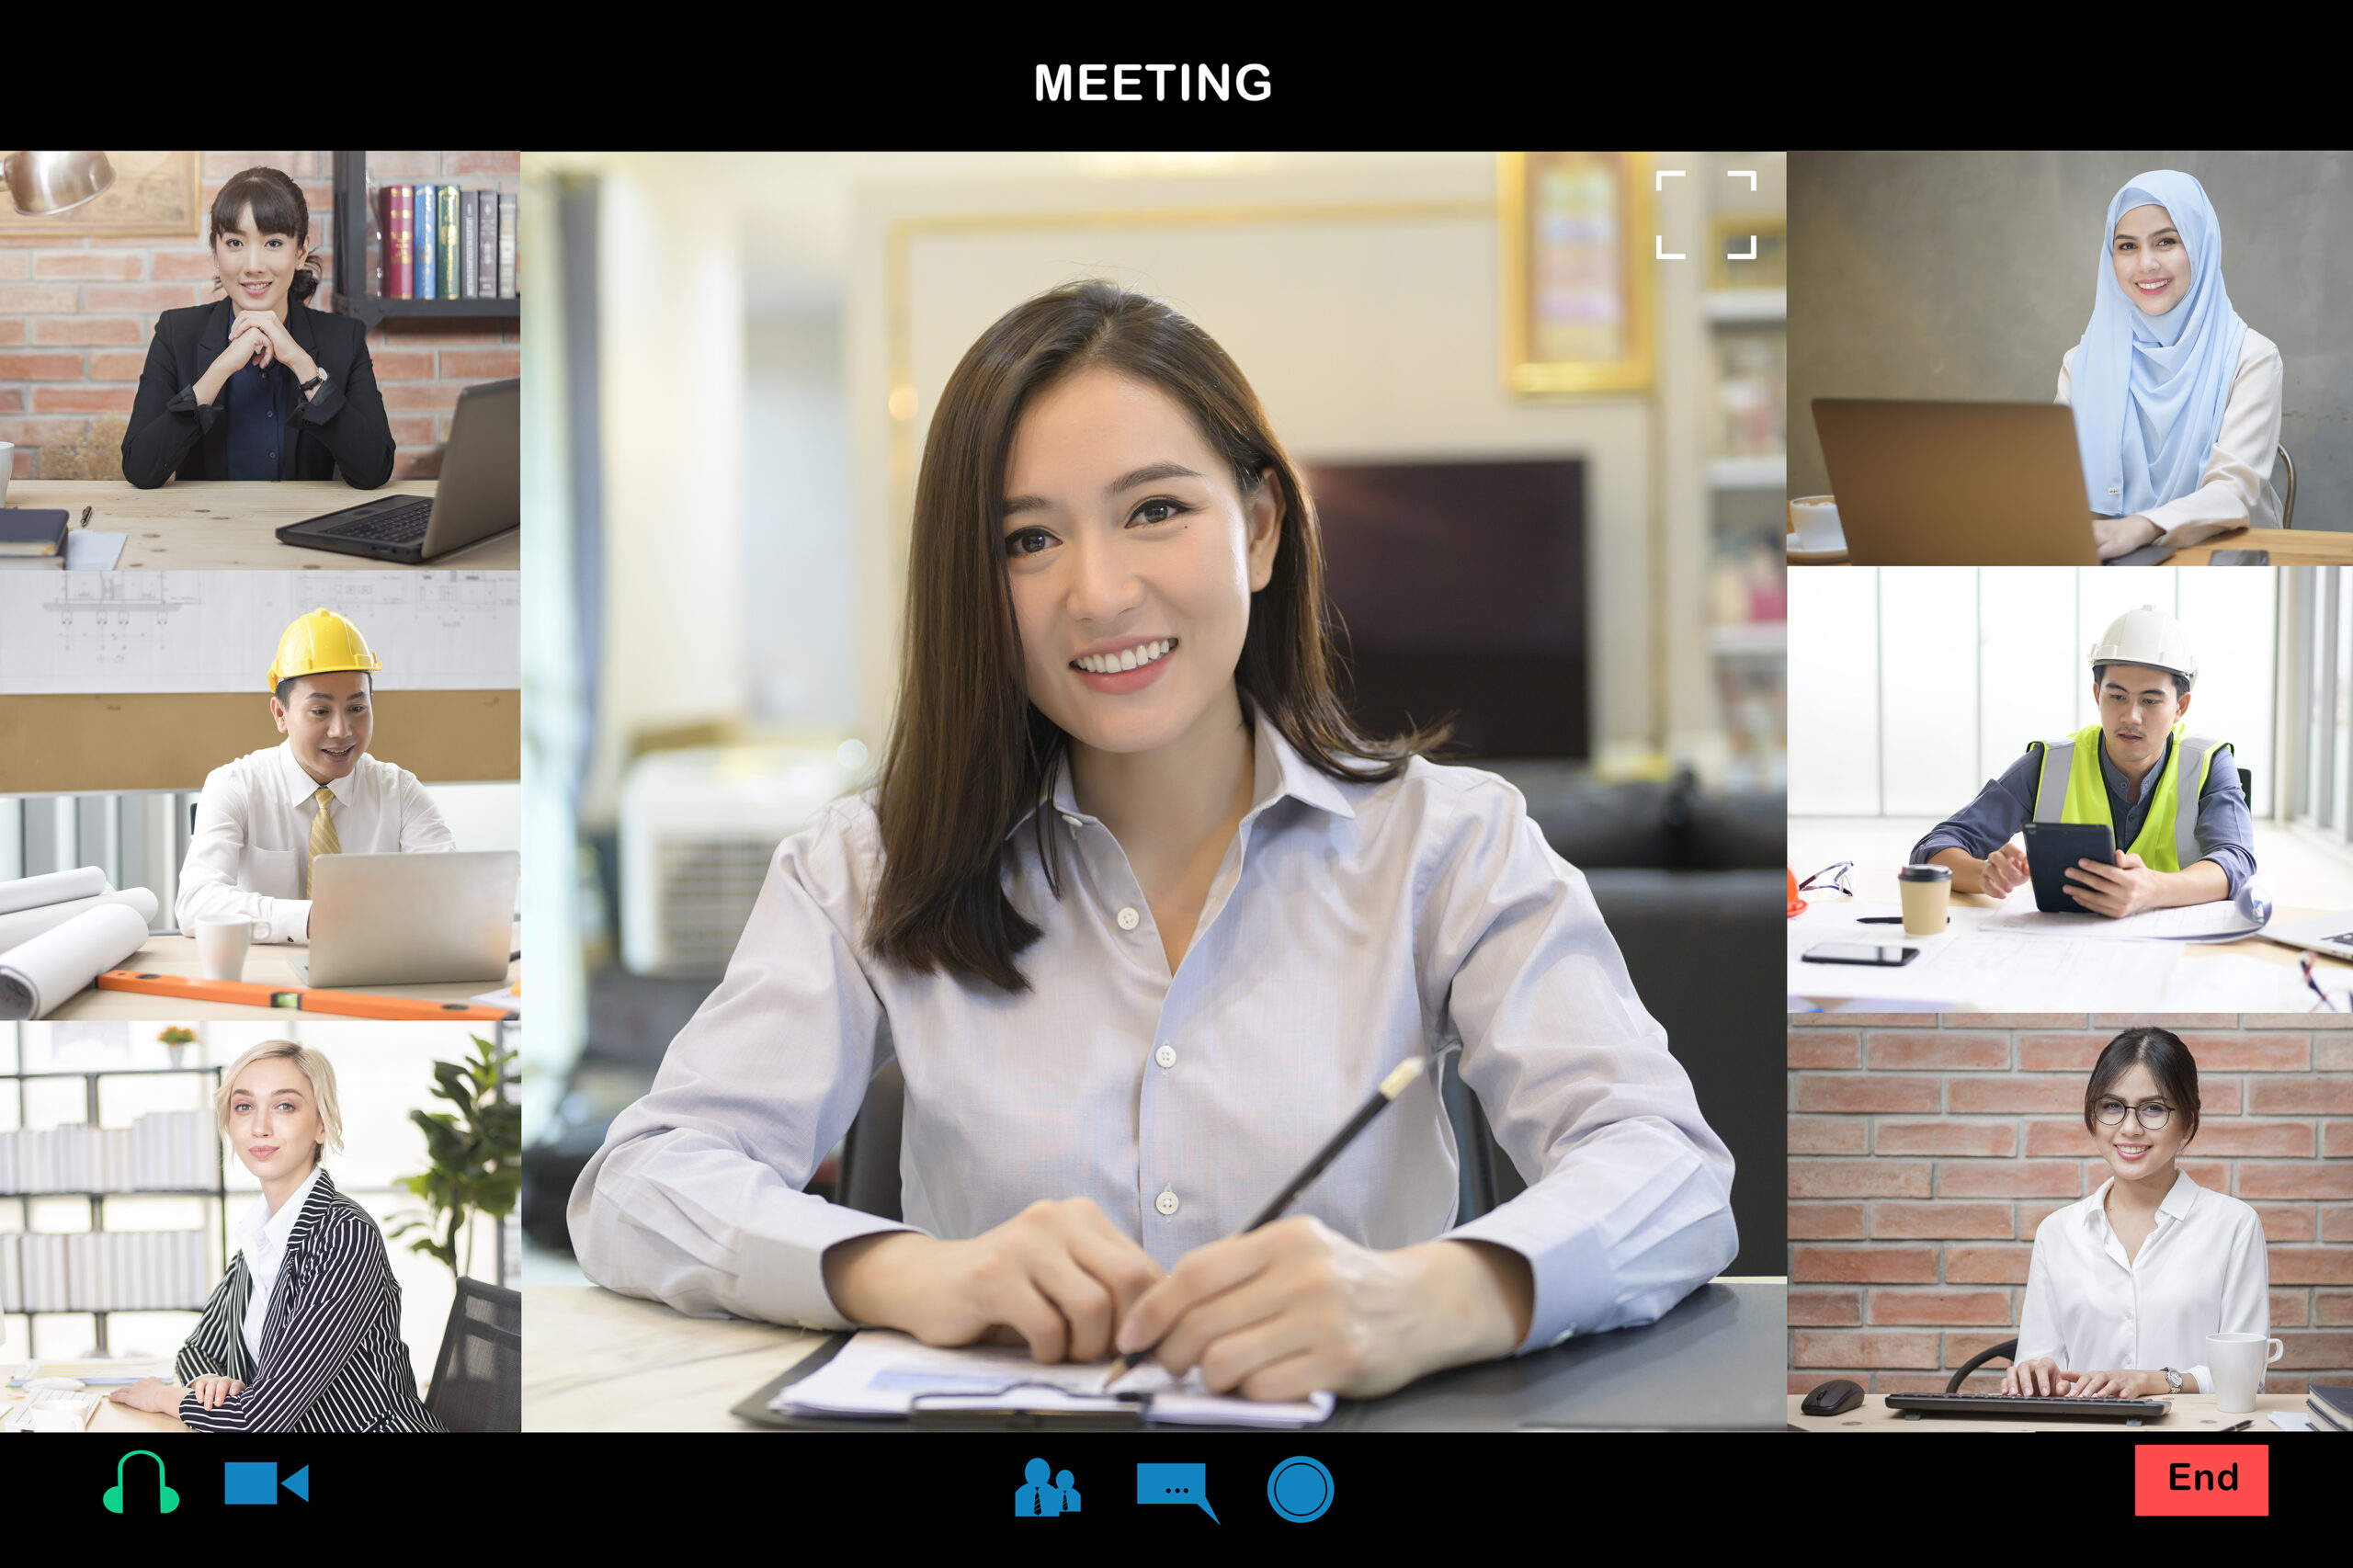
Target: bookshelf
x,y
353,279
219,1191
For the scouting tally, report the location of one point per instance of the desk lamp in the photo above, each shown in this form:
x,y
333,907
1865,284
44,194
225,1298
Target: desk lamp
x,y
45,184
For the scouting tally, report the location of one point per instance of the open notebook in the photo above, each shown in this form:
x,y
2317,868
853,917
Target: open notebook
x,y
882,1372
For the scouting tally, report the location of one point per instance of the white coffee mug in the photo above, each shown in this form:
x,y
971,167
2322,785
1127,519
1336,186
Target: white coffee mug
x,y
1815,522
2237,1361
7,465
221,946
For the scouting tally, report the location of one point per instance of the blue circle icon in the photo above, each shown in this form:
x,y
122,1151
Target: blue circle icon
x,y
1299,1489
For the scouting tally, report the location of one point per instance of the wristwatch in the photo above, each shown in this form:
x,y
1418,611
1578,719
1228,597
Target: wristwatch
x,y
2172,1380
315,383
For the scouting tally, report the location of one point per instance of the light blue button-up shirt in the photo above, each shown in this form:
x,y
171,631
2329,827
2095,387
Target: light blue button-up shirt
x,y
1351,927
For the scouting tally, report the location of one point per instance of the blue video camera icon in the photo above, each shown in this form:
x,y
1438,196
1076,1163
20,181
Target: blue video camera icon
x,y
244,1483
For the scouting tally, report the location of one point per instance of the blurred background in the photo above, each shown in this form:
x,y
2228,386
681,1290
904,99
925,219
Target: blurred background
x,y
1540,398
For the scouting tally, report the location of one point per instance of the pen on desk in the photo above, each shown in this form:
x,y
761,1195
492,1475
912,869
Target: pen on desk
x,y
2240,1426
1400,1076
85,516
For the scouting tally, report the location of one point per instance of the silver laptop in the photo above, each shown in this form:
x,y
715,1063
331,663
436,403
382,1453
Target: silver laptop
x,y
2330,934
424,919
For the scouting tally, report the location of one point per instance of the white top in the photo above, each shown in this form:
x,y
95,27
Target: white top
x,y
249,858
1351,927
2236,491
261,1236
2201,1271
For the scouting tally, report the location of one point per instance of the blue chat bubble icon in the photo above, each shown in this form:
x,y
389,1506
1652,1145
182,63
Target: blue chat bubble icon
x,y
1175,1483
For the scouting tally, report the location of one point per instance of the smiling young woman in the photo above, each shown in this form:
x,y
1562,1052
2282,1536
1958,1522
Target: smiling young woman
x,y
1144,918
2177,400
256,384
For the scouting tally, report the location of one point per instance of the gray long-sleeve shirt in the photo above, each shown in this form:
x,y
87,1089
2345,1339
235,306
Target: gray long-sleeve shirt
x,y
2225,831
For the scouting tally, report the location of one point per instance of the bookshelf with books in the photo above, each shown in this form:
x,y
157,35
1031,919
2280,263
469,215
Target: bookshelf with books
x,y
460,263
97,1272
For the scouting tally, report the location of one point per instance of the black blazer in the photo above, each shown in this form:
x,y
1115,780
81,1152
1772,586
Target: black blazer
x,y
332,1357
342,431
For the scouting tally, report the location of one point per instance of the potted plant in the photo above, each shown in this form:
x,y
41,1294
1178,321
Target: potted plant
x,y
179,1040
476,1155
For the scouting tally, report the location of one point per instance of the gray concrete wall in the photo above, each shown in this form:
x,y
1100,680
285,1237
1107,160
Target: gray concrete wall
x,y
1967,275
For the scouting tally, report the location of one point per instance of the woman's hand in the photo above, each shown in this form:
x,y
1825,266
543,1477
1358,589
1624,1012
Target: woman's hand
x,y
2041,1377
1283,1311
2127,1383
211,1390
247,343
279,342
2117,536
1057,1274
151,1394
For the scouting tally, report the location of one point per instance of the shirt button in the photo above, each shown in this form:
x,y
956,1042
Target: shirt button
x,y
1127,918
1165,1202
1165,1056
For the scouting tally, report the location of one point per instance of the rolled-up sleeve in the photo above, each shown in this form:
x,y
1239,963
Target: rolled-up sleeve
x,y
208,886
1628,1207
2225,830
1991,820
696,1198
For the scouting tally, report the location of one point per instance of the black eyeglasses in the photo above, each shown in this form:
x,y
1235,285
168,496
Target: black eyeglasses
x,y
2152,1115
1838,876
2307,967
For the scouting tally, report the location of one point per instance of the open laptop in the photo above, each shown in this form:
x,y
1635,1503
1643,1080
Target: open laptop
x,y
2330,934
1960,485
426,919
478,494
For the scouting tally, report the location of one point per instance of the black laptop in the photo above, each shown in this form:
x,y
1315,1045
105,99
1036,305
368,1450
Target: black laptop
x,y
479,494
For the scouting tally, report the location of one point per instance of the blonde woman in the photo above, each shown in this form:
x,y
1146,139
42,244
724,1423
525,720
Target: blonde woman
x,y
305,1334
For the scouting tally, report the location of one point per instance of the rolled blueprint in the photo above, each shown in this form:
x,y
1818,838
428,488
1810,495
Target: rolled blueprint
x,y
52,887
42,974
27,924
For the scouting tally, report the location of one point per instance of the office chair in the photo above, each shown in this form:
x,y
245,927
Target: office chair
x,y
478,1377
2246,787
2006,1351
2288,496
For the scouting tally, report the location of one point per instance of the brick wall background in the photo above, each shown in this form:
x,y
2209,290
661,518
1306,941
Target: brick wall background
x,y
1926,1151
77,312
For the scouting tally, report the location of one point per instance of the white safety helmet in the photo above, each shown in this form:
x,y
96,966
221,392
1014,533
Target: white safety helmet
x,y
2146,636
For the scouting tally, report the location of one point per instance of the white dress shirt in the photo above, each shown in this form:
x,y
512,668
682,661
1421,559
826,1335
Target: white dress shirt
x,y
249,858
2201,1271
1349,928
2235,490
261,1236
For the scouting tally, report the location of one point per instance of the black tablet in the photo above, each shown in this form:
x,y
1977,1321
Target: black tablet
x,y
2052,848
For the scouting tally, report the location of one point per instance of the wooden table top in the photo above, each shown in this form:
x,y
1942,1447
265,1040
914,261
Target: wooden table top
x,y
598,1361
2191,1415
2289,547
230,525
119,1420
265,965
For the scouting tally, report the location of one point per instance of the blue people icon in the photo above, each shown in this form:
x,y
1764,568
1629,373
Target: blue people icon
x,y
1070,1493
1037,1500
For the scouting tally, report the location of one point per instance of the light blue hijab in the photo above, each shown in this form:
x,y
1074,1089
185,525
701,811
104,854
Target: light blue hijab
x,y
2149,391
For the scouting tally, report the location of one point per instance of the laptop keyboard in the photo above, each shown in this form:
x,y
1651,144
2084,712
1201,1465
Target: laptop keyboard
x,y
401,524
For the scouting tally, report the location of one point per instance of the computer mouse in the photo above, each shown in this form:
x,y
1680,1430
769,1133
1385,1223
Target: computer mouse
x,y
56,1383
1833,1398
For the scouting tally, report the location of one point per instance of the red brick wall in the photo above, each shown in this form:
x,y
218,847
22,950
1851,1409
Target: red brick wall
x,y
1924,1152
77,313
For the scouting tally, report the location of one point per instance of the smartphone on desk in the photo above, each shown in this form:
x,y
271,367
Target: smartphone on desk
x,y
1871,953
2052,848
2239,558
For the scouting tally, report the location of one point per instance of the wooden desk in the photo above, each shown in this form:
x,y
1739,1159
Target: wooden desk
x,y
265,965
116,1420
2193,1415
2289,547
231,525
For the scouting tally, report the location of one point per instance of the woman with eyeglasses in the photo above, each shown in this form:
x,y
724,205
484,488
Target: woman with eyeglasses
x,y
2124,1286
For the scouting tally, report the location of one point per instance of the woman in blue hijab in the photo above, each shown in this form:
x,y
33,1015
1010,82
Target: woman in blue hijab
x,y
2177,400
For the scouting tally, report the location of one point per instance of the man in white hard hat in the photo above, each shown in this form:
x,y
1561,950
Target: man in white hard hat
x,y
2180,817
265,819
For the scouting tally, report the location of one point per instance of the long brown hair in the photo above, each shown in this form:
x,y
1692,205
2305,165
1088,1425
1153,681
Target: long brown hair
x,y
970,754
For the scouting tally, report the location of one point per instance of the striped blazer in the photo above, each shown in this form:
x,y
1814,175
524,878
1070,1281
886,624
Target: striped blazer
x,y
332,1357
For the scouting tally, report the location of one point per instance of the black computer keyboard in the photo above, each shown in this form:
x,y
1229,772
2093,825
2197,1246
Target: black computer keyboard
x,y
2103,1408
403,525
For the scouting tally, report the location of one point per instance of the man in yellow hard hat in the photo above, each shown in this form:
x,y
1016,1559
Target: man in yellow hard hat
x,y
2173,799
263,819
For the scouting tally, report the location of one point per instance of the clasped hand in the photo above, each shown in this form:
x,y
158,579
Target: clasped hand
x,y
260,338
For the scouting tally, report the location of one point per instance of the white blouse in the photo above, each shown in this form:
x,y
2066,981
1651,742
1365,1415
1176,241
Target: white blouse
x,y
2201,1271
2236,491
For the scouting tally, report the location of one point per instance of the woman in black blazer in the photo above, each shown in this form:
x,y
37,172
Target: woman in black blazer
x,y
259,385
323,1352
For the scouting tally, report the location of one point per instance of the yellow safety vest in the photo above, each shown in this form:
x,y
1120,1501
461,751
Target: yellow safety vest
x,y
2069,789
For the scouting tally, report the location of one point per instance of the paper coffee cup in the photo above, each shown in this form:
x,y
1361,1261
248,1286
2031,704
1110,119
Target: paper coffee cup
x,y
2236,1361
1814,520
221,947
1926,892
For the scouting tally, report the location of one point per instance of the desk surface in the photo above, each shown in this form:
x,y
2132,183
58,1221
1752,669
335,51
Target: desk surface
x,y
265,965
2193,1415
2289,547
120,1420
231,525
594,1361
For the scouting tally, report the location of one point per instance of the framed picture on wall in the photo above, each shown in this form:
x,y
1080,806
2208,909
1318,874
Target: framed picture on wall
x,y
154,193
1575,233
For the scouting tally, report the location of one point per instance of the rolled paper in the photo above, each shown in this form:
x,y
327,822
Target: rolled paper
x,y
52,887
26,923
39,976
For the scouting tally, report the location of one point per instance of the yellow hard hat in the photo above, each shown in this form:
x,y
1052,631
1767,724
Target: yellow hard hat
x,y
320,641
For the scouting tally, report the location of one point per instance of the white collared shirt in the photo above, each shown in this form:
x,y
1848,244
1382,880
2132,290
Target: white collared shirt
x,y
1351,927
2202,1271
261,1236
249,858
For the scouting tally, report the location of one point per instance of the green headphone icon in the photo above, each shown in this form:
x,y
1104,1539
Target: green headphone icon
x,y
168,1498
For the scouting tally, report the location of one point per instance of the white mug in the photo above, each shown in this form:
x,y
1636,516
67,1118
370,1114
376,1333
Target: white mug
x,y
8,463
1814,521
221,946
2237,1361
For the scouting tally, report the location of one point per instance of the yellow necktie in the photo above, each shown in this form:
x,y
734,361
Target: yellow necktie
x,y
322,839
